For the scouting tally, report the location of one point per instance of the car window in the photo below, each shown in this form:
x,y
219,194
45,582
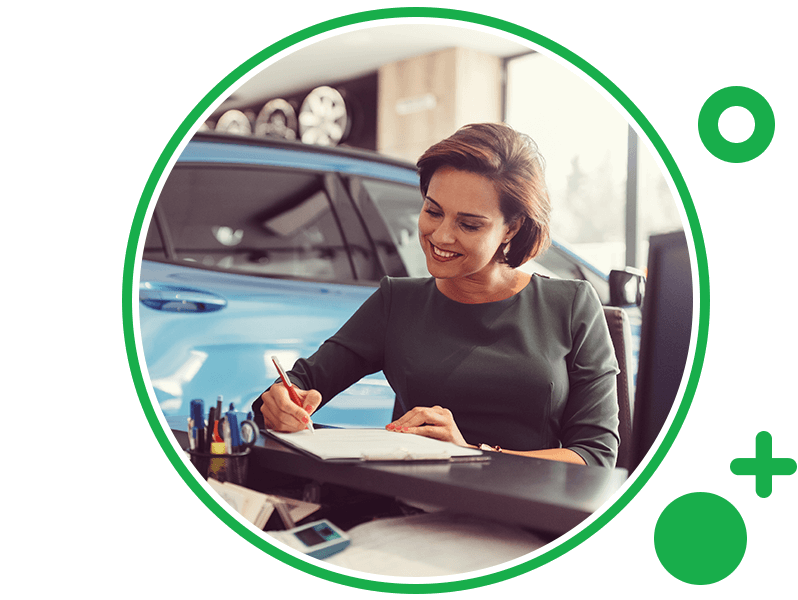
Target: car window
x,y
398,206
255,220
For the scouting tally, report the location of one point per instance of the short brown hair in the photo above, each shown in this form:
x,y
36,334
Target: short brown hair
x,y
512,162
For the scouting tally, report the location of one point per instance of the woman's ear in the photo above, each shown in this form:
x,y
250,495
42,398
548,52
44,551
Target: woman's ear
x,y
514,228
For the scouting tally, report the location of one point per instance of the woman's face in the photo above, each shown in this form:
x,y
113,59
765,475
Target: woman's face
x,y
461,226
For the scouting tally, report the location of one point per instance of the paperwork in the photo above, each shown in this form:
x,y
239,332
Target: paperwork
x,y
257,507
374,445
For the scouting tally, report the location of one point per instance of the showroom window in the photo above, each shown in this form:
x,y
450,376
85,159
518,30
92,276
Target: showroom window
x,y
584,141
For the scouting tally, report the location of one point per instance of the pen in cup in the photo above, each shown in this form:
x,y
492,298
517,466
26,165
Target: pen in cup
x,y
197,426
292,392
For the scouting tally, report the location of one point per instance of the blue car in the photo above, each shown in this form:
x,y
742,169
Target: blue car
x,y
261,248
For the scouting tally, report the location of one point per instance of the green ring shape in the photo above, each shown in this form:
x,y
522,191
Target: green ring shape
x,y
641,476
753,102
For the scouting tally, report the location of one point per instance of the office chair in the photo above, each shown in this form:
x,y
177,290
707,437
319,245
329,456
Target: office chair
x,y
621,334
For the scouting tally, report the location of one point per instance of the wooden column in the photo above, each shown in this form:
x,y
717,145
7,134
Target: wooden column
x,y
424,99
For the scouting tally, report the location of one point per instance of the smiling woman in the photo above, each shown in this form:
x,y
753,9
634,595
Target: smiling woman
x,y
490,178
480,354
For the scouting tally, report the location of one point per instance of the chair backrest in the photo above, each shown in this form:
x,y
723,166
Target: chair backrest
x,y
621,334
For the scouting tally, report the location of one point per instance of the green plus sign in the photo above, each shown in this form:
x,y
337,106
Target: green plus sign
x,y
764,466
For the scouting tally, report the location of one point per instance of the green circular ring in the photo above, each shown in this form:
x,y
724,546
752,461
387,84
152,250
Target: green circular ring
x,y
753,102
138,371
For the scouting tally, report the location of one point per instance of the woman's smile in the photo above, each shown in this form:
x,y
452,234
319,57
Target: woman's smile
x,y
443,255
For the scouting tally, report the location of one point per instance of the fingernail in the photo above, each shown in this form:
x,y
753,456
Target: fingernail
x,y
308,408
405,429
389,426
305,420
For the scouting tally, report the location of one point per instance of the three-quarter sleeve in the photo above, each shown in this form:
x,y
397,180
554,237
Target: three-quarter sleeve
x,y
589,423
356,350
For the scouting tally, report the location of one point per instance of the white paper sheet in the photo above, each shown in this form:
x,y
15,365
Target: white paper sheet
x,y
372,444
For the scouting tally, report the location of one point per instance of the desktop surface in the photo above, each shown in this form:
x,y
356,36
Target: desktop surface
x,y
542,495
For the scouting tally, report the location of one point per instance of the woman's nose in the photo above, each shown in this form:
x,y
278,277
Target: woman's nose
x,y
443,234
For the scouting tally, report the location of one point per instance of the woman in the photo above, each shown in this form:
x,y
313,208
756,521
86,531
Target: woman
x,y
480,354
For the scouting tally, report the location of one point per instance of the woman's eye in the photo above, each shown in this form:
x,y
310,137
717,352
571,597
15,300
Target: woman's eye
x,y
436,214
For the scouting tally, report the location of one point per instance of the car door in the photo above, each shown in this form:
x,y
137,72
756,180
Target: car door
x,y
242,262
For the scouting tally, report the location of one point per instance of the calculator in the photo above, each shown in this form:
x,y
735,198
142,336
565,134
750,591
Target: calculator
x,y
318,539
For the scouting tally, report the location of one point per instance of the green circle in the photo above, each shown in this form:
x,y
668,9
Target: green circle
x,y
753,102
700,538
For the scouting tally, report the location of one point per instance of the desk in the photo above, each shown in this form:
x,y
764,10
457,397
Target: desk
x,y
542,495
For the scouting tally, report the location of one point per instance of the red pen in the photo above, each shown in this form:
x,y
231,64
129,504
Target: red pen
x,y
292,393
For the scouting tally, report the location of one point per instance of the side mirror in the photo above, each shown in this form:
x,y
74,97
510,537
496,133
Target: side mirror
x,y
627,287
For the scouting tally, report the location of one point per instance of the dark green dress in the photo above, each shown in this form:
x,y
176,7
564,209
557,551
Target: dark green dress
x,y
536,370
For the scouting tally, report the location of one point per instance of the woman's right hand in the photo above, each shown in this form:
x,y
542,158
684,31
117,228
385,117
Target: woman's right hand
x,y
281,414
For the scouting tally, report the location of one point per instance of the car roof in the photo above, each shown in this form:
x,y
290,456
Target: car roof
x,y
226,148
211,147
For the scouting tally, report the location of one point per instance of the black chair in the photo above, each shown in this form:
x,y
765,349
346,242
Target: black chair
x,y
621,334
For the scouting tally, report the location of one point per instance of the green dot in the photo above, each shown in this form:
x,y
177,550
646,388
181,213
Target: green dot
x,y
700,538
753,102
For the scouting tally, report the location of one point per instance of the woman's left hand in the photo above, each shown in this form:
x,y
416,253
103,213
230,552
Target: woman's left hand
x,y
435,422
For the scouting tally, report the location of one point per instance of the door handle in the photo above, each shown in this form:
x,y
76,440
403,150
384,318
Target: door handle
x,y
174,298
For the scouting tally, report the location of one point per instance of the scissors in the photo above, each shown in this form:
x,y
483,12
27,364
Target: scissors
x,y
249,433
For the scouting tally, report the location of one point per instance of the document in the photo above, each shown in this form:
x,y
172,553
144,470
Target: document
x,y
374,445
257,507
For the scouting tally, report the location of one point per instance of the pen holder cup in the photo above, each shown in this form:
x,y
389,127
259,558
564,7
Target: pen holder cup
x,y
222,467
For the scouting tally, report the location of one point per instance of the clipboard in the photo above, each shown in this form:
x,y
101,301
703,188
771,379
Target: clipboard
x,y
353,445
